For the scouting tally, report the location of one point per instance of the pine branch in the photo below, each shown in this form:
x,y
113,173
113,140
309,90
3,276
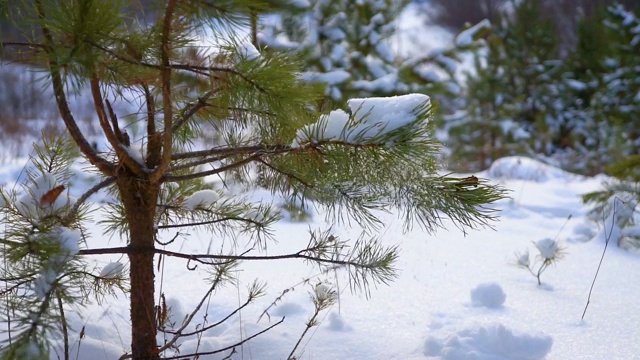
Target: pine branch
x,y
94,189
230,347
123,155
197,175
61,100
165,82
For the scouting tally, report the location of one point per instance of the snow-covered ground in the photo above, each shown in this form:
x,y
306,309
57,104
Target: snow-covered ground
x,y
457,297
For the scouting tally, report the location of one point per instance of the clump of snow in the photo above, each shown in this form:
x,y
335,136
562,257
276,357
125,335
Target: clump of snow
x,y
42,285
492,342
337,323
523,259
201,199
112,270
322,292
523,168
488,295
548,248
69,240
370,118
334,77
576,85
467,37
248,51
30,205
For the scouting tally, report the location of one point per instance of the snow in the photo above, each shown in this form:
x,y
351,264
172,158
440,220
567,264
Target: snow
x,y
489,295
332,77
248,51
370,118
69,240
523,168
201,199
490,342
548,248
449,301
467,37
112,270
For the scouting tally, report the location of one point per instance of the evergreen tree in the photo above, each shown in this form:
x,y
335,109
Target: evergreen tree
x,y
221,114
509,92
597,107
616,101
345,45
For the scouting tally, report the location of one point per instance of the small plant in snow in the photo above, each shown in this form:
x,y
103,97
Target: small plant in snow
x,y
323,297
549,252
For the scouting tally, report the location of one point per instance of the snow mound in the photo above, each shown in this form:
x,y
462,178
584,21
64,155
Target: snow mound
x,y
523,168
492,342
488,295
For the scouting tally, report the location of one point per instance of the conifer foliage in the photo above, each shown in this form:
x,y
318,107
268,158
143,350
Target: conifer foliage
x,y
347,46
224,112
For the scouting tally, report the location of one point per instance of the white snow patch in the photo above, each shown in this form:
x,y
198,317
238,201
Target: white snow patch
x,y
548,248
490,342
69,240
523,168
248,51
112,270
371,118
467,37
332,77
576,85
201,199
488,295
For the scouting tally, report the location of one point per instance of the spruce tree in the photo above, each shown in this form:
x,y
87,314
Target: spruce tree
x,y
222,113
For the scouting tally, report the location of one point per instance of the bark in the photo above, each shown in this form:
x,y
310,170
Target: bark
x,y
139,199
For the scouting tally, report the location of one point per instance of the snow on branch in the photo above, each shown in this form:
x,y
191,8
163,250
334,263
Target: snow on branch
x,y
370,120
467,37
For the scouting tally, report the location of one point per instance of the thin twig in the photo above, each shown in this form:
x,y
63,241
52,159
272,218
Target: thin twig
x,y
604,251
65,329
230,347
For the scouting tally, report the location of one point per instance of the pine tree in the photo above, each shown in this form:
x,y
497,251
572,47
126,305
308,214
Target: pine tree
x,y
615,101
597,97
510,91
345,45
221,113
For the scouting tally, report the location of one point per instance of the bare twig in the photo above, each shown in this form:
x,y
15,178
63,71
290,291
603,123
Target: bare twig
x,y
94,189
604,251
230,347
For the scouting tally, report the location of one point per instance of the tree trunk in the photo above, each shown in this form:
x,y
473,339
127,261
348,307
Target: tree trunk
x,y
139,199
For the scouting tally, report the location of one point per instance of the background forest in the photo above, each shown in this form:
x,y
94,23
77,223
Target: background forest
x,y
555,80
281,117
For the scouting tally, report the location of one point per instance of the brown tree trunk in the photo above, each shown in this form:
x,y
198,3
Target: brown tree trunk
x,y
139,199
